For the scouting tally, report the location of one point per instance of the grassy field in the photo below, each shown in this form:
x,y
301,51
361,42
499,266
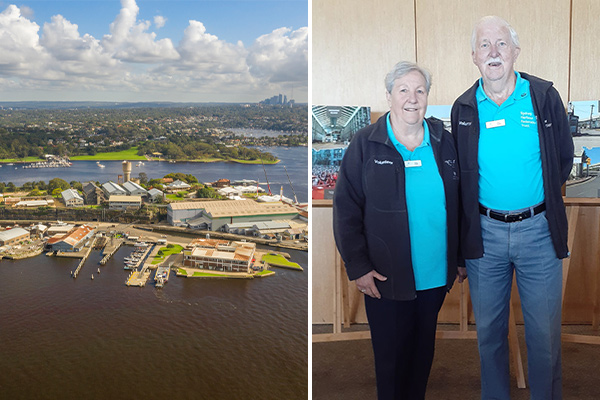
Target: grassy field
x,y
166,252
280,261
130,154
174,197
26,159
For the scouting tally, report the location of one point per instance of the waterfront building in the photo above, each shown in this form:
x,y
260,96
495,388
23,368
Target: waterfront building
x,y
244,182
72,241
214,215
59,229
112,189
120,202
221,183
269,229
134,189
229,192
92,194
71,198
13,236
28,203
238,258
177,186
207,243
155,195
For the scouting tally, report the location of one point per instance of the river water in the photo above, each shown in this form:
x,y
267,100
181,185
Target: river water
x,y
64,338
294,159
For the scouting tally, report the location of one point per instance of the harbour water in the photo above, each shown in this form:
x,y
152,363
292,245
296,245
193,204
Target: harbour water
x,y
295,160
64,338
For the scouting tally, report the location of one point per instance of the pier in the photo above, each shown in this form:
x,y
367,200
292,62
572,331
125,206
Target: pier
x,y
110,249
85,257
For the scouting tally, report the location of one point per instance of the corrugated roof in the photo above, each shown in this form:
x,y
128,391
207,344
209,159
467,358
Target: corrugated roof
x,y
12,233
235,208
75,237
112,187
131,186
125,199
71,194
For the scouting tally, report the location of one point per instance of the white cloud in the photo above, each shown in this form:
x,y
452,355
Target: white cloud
x,y
280,57
159,21
129,40
131,62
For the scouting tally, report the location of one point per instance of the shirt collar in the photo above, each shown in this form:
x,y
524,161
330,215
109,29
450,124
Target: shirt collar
x,y
396,143
521,90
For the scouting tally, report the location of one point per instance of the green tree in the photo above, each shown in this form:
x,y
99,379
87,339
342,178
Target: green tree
x,y
58,183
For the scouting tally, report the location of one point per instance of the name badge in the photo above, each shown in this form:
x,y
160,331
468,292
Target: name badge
x,y
412,163
495,124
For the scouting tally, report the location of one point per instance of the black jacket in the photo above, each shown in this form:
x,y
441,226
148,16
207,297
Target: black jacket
x,y
370,219
556,146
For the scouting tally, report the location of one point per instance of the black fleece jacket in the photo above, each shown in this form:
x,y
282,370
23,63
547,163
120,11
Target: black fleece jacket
x,y
370,218
556,146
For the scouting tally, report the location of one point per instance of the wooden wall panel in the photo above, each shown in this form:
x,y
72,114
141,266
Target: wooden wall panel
x,y
322,252
355,43
444,41
585,51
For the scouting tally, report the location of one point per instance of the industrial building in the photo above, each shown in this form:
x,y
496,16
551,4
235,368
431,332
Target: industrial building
x,y
237,257
214,215
133,189
71,198
112,189
92,194
73,241
155,195
121,202
13,236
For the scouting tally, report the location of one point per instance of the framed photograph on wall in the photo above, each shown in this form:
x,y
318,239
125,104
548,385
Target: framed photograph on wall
x,y
333,127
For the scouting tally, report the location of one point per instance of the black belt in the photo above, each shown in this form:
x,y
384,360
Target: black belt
x,y
512,217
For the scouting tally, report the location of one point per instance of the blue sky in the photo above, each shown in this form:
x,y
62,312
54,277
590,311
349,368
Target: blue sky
x,y
153,50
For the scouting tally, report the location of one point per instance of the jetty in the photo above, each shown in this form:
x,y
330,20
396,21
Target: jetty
x,y
84,259
110,249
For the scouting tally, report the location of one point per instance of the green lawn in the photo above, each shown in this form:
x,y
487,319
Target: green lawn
x,y
26,159
174,197
280,261
167,252
254,161
130,154
265,272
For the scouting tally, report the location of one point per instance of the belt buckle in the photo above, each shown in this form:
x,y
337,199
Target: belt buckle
x,y
512,217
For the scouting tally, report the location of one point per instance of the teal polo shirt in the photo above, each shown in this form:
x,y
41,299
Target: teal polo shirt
x,y
510,165
426,206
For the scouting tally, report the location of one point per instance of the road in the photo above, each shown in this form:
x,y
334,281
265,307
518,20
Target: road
x,y
589,188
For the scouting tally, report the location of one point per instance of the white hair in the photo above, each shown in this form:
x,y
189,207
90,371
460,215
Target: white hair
x,y
513,34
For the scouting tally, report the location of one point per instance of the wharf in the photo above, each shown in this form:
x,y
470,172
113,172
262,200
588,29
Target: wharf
x,y
139,278
83,260
110,249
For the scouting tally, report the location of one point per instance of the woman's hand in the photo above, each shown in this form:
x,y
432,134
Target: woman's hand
x,y
366,283
461,274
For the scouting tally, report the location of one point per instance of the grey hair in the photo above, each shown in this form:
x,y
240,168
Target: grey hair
x,y
513,34
403,68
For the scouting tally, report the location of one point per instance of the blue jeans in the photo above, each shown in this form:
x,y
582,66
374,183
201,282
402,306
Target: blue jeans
x,y
524,247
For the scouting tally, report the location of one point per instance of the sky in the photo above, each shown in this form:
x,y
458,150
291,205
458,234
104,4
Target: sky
x,y
153,50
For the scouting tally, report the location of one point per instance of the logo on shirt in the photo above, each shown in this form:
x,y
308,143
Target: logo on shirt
x,y
527,119
382,162
465,123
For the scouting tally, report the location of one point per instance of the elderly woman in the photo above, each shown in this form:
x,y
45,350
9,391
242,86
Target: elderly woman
x,y
395,212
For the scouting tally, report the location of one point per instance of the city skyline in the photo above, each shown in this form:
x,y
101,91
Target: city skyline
x,y
143,51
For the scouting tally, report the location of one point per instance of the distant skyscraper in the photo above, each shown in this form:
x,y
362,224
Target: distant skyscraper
x,y
284,99
280,99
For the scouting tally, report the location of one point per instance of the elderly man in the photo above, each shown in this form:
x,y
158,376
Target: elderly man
x,y
515,152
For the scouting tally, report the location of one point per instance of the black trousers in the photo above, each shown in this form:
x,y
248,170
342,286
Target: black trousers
x,y
403,338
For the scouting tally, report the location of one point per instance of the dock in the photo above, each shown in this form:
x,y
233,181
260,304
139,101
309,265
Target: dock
x,y
139,278
85,257
110,249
